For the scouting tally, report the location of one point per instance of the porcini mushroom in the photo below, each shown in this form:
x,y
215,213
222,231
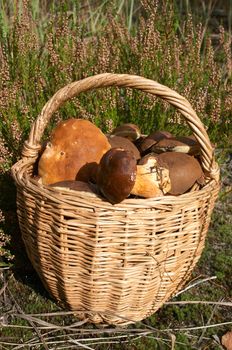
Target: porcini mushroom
x,y
126,144
116,174
128,130
79,186
151,180
75,147
152,139
177,144
184,171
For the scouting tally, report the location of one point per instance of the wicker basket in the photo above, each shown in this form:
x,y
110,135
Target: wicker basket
x,y
114,264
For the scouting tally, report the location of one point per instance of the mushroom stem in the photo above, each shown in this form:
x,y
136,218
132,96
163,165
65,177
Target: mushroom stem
x,y
151,180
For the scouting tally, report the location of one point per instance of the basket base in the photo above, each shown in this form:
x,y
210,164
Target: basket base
x,y
103,320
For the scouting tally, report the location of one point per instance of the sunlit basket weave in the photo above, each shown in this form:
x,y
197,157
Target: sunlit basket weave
x,y
114,264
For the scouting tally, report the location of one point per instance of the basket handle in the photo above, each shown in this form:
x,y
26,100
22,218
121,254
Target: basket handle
x,y
32,145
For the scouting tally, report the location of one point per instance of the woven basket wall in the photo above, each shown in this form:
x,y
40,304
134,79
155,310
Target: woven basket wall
x,y
113,264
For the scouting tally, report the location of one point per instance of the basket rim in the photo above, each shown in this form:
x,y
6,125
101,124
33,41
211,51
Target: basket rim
x,y
96,200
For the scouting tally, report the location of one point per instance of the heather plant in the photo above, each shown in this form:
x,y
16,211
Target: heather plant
x,y
41,50
4,241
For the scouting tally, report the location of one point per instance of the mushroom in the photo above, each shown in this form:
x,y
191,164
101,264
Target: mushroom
x,y
79,186
151,180
139,141
116,174
126,144
128,130
184,171
177,144
152,139
75,148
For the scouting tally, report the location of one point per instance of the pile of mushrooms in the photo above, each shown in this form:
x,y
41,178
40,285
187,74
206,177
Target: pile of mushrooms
x,y
124,163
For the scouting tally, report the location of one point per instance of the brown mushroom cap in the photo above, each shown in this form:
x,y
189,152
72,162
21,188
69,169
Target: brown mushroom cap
x,y
128,130
184,170
126,144
139,141
151,180
76,186
75,146
116,174
152,139
177,144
